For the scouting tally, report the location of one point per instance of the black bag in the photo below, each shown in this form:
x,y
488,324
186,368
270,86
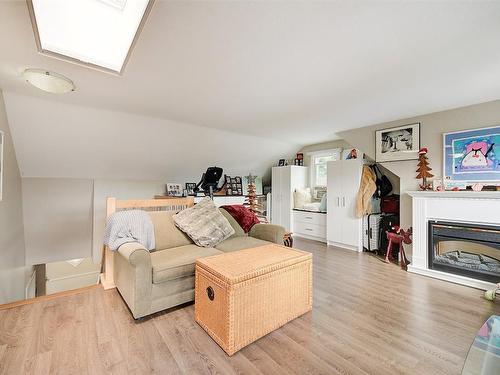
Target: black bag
x,y
384,186
386,223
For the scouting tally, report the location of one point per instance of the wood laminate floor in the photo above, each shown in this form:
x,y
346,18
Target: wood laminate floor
x,y
368,318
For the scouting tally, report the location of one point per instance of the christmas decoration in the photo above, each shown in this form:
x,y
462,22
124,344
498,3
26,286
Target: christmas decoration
x,y
252,201
423,169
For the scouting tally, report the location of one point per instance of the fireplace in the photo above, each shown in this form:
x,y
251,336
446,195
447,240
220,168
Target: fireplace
x,y
465,249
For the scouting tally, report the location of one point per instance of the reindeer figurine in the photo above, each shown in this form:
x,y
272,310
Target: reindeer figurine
x,y
398,237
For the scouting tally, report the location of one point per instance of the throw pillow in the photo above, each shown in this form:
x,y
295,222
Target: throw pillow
x,y
301,197
204,224
322,206
245,218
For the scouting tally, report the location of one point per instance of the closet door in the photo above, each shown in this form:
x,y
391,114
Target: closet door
x,y
335,210
351,175
276,195
286,197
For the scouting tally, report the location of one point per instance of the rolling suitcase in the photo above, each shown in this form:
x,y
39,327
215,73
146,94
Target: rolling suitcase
x,y
371,231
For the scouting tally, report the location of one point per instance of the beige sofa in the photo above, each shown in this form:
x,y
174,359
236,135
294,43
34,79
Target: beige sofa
x,y
157,280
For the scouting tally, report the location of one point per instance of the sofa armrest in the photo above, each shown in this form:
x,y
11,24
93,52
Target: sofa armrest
x,y
133,273
268,232
136,254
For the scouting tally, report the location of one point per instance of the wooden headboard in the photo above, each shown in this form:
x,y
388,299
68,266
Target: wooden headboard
x,y
113,205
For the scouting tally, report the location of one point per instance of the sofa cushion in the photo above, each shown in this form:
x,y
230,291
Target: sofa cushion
x,y
177,262
204,224
167,235
240,243
238,230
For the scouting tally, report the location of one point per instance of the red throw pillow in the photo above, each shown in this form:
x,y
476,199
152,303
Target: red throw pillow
x,y
243,216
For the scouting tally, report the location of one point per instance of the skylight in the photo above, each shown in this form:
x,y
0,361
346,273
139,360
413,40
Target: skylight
x,y
93,32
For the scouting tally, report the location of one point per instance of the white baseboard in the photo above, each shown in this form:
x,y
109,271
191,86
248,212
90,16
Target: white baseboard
x,y
314,238
344,246
457,279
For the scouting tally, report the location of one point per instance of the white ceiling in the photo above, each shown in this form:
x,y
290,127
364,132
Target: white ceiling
x,y
297,72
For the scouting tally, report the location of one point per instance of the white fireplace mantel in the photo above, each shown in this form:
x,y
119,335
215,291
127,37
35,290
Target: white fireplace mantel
x,y
456,206
456,194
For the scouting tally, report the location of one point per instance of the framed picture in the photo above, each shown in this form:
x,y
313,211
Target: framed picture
x,y
2,140
174,190
472,156
281,163
437,184
396,144
190,188
351,153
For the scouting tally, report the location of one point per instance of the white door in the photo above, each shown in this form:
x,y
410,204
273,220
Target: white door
x,y
334,199
276,196
350,185
286,197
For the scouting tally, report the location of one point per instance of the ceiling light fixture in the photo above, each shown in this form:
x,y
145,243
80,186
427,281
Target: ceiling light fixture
x,y
48,81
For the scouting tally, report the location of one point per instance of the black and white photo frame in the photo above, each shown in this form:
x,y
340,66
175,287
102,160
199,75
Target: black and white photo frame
x,y
398,143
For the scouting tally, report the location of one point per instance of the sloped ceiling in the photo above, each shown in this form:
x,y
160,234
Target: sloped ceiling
x,y
294,72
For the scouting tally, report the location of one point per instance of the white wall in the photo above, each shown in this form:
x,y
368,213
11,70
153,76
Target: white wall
x,y
57,219
58,140
13,273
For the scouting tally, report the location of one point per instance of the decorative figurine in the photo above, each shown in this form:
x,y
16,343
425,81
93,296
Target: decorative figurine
x,y
252,201
424,169
398,236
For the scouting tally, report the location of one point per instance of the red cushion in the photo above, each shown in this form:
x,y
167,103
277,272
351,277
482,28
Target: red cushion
x,y
243,216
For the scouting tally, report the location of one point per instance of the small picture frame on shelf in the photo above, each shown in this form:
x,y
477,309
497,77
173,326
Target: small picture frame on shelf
x,y
437,184
281,163
190,186
174,190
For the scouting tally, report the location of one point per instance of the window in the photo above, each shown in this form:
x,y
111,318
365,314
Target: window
x,y
97,33
318,165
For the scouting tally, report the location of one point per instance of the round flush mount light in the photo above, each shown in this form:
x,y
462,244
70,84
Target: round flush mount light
x,y
48,81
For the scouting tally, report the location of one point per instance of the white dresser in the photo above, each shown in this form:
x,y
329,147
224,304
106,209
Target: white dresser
x,y
223,200
311,225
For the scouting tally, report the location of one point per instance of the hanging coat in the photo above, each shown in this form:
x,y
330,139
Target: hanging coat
x,y
367,188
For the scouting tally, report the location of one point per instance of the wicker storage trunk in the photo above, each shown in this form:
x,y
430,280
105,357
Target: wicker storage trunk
x,y
243,295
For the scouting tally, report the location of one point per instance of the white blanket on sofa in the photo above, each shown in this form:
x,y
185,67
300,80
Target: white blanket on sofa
x,y
129,226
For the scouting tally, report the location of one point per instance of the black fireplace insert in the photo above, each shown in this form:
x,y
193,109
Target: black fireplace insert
x,y
465,249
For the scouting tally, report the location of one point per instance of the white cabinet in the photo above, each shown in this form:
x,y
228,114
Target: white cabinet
x,y
284,182
310,225
343,227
